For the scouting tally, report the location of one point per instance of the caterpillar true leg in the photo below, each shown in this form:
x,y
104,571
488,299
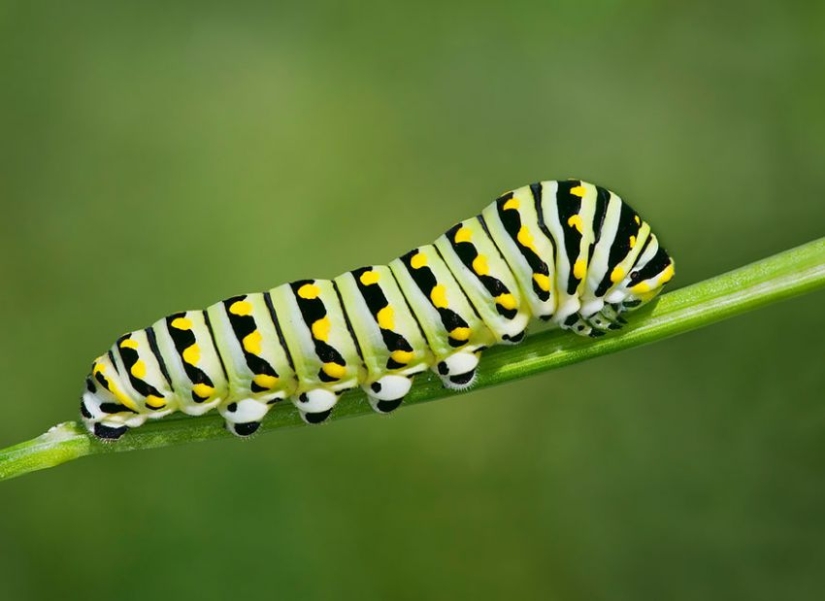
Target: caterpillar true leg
x,y
567,252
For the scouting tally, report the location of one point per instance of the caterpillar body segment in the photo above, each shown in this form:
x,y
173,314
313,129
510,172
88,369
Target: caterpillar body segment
x,y
567,252
392,346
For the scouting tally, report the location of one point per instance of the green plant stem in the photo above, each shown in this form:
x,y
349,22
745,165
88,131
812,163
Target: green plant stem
x,y
781,276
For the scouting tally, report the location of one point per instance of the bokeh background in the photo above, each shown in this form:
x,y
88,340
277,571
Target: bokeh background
x,y
156,156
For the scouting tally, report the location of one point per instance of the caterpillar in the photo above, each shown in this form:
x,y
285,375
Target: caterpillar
x,y
567,252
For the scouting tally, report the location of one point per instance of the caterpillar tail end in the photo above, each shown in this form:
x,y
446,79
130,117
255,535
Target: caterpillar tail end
x,y
108,433
106,423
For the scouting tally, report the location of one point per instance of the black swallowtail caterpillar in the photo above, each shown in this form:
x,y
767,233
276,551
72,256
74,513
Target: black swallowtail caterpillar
x,y
567,252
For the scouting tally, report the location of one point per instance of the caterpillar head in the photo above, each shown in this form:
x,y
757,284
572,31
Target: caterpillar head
x,y
648,280
651,272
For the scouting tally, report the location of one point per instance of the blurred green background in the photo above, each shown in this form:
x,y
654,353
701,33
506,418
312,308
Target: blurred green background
x,y
158,156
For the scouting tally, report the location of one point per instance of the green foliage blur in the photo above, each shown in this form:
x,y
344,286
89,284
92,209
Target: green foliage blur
x,y
159,156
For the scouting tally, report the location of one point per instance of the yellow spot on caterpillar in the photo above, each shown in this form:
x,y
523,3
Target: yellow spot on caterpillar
x,y
418,261
309,291
579,191
632,241
155,402
320,329
525,238
542,281
242,308
480,265
252,342
460,333
386,318
667,274
508,301
182,323
192,354
121,398
637,220
401,356
640,288
98,368
129,343
333,370
576,222
511,204
265,381
463,234
204,391
439,296
369,277
139,369
617,275
579,269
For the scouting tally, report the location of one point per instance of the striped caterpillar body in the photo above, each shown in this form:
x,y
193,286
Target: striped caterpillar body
x,y
567,252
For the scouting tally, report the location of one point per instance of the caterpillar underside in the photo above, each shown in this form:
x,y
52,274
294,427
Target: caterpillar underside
x,y
567,252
